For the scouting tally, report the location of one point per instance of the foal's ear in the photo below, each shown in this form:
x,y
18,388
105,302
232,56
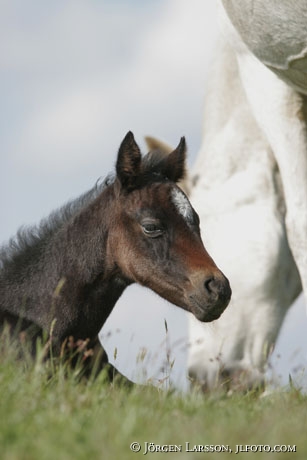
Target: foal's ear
x,y
174,164
128,165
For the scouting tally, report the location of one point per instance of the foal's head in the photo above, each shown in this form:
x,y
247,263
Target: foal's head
x,y
155,240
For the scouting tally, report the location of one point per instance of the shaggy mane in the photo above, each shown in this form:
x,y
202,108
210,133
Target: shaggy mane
x,y
30,238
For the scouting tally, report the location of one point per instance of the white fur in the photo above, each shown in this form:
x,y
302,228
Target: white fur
x,y
251,194
182,205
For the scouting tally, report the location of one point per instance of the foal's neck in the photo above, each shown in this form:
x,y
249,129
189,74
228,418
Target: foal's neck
x,y
89,283
64,274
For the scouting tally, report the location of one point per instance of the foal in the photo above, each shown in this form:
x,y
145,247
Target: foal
x,y
64,277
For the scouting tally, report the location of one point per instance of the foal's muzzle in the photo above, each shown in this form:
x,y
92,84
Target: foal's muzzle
x,y
210,297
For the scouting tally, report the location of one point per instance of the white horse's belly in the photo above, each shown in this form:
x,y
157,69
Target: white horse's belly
x,y
275,32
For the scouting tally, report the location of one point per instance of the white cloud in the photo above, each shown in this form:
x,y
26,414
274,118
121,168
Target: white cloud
x,y
64,130
74,35
152,90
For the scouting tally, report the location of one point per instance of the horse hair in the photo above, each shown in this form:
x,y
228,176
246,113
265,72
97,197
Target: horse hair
x,y
30,238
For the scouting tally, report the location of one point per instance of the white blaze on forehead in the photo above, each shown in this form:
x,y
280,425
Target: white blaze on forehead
x,y
182,204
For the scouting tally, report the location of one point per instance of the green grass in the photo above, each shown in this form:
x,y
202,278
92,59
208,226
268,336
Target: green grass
x,y
45,416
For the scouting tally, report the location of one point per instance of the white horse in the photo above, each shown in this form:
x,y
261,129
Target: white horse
x,y
249,184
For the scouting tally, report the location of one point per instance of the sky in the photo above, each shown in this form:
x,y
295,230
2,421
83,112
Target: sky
x,y
75,77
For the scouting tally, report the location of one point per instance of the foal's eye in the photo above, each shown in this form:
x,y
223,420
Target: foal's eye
x,y
152,230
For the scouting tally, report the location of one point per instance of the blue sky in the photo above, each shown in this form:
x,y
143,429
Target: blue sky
x,y
75,77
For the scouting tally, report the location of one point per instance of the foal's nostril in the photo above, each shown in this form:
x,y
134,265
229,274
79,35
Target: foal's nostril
x,y
209,285
217,286
210,297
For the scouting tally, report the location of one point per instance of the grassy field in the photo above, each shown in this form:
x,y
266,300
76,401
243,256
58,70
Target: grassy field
x,y
57,417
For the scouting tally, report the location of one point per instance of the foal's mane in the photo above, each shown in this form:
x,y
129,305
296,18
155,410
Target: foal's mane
x,y
29,239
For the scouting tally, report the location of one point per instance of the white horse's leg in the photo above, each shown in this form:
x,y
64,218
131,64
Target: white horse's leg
x,y
281,113
236,193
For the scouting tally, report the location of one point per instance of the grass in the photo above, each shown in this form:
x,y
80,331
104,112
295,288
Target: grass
x,y
44,416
